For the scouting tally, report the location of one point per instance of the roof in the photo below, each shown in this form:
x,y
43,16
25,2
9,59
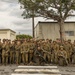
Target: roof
x,y
7,30
53,22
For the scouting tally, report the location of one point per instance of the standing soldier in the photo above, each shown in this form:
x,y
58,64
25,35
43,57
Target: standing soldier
x,y
24,52
31,50
5,53
12,52
27,52
67,48
73,54
55,48
70,50
17,51
0,51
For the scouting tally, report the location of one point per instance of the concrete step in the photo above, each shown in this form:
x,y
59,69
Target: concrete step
x,y
36,70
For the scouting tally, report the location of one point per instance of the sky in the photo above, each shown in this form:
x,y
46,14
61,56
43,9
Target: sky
x,y
10,17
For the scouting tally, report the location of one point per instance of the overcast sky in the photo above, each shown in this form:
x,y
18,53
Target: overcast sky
x,y
10,17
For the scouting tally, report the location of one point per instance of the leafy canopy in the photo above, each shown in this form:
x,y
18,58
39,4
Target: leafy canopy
x,y
54,9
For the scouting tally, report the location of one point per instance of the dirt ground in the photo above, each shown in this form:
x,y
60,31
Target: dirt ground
x,y
64,70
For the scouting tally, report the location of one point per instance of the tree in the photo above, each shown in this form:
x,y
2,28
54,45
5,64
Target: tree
x,y
30,10
58,10
22,36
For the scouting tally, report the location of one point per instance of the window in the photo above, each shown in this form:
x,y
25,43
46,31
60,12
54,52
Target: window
x,y
69,33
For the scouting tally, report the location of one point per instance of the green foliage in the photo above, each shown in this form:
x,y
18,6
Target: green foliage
x,y
22,36
55,9
30,6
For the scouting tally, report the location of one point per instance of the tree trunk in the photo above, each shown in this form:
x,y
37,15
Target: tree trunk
x,y
62,31
33,27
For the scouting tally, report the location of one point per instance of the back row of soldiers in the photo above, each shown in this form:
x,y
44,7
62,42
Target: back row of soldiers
x,y
26,51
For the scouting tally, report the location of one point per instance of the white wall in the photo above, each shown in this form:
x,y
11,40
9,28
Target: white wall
x,y
51,30
3,35
7,34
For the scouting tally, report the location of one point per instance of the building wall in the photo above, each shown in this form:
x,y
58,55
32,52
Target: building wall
x,y
51,30
3,35
37,32
7,34
70,27
12,36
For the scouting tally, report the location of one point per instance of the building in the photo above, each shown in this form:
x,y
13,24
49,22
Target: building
x,y
50,30
7,34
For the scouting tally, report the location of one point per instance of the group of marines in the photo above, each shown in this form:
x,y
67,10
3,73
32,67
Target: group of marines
x,y
30,50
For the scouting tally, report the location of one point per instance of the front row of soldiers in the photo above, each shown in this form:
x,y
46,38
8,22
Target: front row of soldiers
x,y
39,51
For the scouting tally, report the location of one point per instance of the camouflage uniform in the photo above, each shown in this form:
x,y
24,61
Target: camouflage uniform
x,y
31,51
73,54
0,52
5,53
25,51
17,51
68,49
12,53
47,51
38,55
22,51
55,47
62,53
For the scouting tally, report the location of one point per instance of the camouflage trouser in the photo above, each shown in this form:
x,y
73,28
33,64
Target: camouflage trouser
x,y
47,56
3,56
17,57
0,59
3,59
23,57
6,59
73,58
56,59
52,58
68,57
30,55
11,57
26,58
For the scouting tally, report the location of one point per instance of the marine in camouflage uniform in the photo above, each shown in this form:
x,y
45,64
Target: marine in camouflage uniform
x,y
22,51
62,56
17,52
0,51
55,48
38,55
5,53
68,49
12,52
73,54
25,49
46,51
31,50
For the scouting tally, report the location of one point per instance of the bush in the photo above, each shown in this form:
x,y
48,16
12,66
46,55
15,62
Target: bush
x,y
23,36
